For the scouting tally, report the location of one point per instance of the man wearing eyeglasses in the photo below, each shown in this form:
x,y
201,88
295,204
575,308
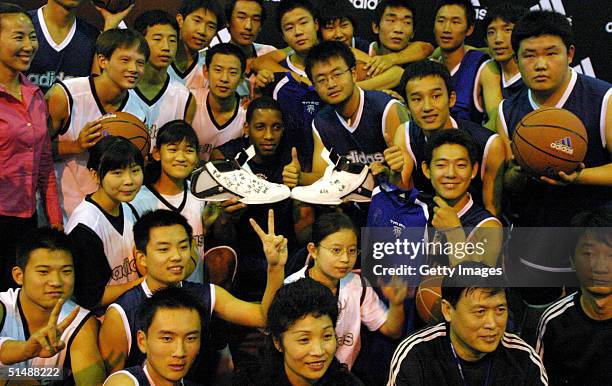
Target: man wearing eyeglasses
x,y
357,124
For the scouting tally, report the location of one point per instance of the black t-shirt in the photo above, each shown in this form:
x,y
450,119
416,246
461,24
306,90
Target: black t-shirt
x,y
576,349
425,358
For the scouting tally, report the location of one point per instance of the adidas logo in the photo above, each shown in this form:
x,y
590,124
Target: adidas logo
x,y
549,5
564,145
585,67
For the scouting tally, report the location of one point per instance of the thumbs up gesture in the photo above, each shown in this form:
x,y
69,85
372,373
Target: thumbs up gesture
x,y
291,171
393,155
445,217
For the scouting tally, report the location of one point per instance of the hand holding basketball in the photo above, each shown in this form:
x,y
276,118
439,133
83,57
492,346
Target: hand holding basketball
x,y
564,178
89,135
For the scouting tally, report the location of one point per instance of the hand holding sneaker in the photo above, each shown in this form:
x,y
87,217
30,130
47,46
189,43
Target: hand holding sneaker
x,y
291,171
274,246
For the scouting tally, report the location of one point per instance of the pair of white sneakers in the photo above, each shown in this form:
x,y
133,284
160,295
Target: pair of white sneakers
x,y
222,180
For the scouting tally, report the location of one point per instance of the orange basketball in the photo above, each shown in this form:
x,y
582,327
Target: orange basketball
x,y
549,140
121,124
429,298
362,73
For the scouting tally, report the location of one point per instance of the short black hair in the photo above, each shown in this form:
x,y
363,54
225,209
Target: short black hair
x,y
330,11
112,153
172,298
460,284
468,7
155,219
296,300
539,23
325,51
422,69
10,8
451,137
289,5
152,18
189,6
261,103
226,49
231,4
329,223
508,12
111,39
383,5
41,238
596,223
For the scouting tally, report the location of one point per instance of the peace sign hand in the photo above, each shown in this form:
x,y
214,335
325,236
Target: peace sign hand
x,y
274,246
46,342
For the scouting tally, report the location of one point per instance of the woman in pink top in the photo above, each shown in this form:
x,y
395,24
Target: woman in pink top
x,y
26,164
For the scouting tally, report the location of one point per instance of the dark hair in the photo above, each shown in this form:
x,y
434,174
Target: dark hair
x,y
10,8
155,219
261,103
330,223
461,284
538,23
422,69
470,12
451,137
172,298
111,39
172,132
508,12
112,153
189,6
229,9
152,18
595,223
330,11
383,5
289,5
325,51
226,49
41,238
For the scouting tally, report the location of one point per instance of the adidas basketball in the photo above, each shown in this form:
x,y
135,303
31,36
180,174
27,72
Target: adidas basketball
x,y
548,141
122,124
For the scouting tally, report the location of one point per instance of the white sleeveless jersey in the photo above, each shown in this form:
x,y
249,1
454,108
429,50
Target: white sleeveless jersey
x,y
193,76
352,312
13,328
186,204
118,247
169,104
74,180
210,133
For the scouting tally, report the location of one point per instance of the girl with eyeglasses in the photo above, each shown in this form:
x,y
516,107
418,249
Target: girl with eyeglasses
x,y
333,253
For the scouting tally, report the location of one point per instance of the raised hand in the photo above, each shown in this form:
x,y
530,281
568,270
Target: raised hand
x,y
112,20
291,171
396,291
274,246
445,217
46,342
393,155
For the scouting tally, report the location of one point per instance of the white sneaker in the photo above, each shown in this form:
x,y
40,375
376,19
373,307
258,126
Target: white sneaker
x,y
222,180
343,182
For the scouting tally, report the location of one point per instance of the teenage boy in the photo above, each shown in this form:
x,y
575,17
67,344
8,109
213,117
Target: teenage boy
x,y
165,99
471,347
76,105
578,355
220,112
451,163
427,88
356,124
67,44
543,42
500,77
39,326
163,245
172,330
198,21
454,22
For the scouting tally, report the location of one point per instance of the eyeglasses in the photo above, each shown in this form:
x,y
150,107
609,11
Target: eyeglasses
x,y
337,251
323,79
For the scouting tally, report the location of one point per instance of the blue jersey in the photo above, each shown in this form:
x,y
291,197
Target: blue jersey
x,y
299,103
361,44
363,140
139,375
393,207
415,144
511,86
70,59
127,306
547,205
464,77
